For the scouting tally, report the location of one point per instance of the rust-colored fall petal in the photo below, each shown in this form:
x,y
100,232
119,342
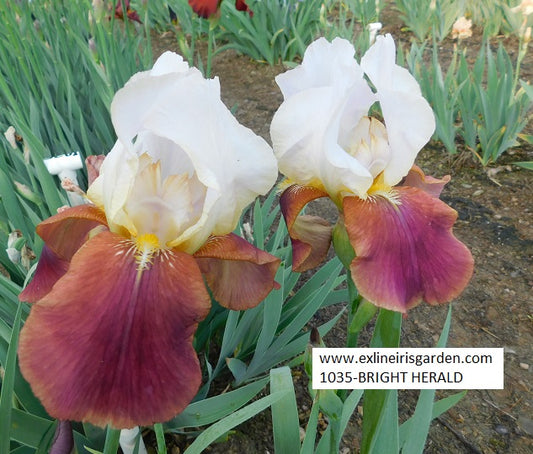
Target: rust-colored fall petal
x,y
417,179
63,235
204,8
112,343
310,235
66,231
406,252
49,269
239,275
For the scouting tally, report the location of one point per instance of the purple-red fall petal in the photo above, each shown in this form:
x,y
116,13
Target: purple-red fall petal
x,y
111,343
406,252
417,179
49,269
239,275
66,231
310,235
63,235
204,8
241,5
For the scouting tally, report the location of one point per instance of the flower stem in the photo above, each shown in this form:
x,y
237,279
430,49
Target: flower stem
x,y
361,311
160,437
111,440
380,406
354,327
210,38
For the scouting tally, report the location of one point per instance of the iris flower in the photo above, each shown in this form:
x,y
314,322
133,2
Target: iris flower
x,y
206,8
327,145
121,283
131,14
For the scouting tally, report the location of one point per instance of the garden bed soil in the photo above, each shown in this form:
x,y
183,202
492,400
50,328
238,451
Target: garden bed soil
x,y
495,221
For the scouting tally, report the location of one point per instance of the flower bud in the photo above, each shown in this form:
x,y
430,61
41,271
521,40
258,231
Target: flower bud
x,y
341,243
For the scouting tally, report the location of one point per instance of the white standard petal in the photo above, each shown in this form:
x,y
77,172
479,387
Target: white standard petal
x,y
324,64
305,135
169,62
111,189
325,98
408,117
178,119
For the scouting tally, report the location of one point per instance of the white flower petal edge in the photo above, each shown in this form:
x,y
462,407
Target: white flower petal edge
x,y
215,165
409,119
324,64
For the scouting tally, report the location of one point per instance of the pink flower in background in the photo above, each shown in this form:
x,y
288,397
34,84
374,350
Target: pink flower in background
x,y
525,7
121,283
462,28
327,145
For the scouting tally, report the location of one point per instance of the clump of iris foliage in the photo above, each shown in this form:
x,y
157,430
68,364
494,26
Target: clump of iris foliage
x,y
60,66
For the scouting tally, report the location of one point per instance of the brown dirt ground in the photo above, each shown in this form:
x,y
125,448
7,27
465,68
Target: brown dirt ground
x,y
496,310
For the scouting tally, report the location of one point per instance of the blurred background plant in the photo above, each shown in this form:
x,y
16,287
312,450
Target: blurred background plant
x,y
61,63
435,18
484,105
279,30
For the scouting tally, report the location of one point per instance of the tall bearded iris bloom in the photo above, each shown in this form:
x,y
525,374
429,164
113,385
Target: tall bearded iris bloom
x,y
121,283
327,145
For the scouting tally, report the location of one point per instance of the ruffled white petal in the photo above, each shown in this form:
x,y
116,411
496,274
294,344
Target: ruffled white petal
x,y
324,98
211,167
324,64
111,189
408,117
321,133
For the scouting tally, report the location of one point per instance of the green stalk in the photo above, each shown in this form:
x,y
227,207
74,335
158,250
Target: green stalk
x,y
210,38
111,440
160,437
522,49
380,407
360,310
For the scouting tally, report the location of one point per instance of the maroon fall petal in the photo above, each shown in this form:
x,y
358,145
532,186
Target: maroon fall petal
x,y
417,179
130,13
310,235
66,231
204,8
49,269
240,5
112,342
239,275
406,252
63,234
